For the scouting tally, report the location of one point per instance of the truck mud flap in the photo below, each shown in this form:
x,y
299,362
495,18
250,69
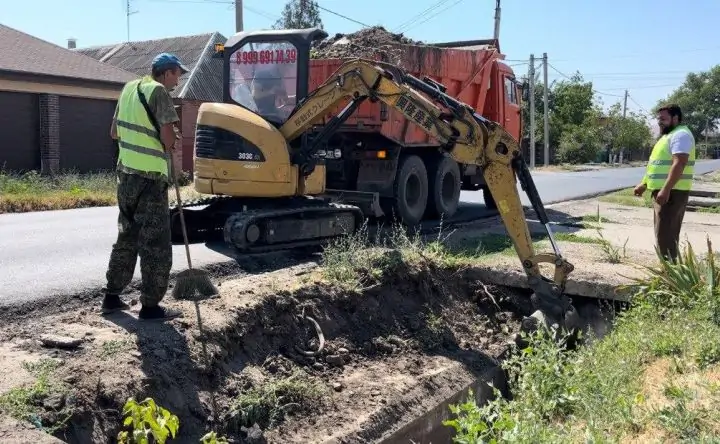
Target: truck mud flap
x,y
368,202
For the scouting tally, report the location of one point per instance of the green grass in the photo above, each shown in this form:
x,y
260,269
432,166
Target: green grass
x,y
654,377
492,243
110,349
626,197
31,191
596,218
711,210
26,403
268,403
357,262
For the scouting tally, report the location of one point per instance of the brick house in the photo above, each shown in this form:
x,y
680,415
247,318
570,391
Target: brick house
x,y
202,84
55,106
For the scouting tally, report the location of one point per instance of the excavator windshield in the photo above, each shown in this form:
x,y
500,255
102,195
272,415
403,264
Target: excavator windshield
x,y
263,78
267,71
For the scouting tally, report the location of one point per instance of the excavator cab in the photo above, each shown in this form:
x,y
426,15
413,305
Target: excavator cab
x,y
267,72
239,149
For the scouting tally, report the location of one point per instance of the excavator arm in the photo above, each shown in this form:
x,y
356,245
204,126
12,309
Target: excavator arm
x,y
468,138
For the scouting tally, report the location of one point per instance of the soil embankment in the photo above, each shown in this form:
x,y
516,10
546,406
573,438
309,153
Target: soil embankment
x,y
416,331
402,330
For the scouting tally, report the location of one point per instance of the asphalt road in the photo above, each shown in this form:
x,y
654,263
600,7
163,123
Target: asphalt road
x,y
65,252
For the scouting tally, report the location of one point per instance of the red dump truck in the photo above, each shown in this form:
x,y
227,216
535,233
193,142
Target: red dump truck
x,y
378,160
389,163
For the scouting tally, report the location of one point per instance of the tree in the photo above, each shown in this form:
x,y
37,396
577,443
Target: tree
x,y
580,143
699,99
630,133
572,104
299,14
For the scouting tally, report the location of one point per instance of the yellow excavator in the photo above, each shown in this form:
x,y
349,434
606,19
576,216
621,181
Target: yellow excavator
x,y
258,157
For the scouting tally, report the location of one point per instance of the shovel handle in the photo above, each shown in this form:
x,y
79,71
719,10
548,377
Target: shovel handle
x,y
179,203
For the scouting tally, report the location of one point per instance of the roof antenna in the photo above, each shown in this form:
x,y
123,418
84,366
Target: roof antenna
x,y
128,13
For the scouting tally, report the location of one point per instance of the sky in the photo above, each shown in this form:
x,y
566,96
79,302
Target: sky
x,y
646,47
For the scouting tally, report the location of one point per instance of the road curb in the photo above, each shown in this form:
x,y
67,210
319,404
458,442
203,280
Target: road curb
x,y
574,286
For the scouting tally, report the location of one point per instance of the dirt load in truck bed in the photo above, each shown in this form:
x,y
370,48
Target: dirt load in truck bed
x,y
364,43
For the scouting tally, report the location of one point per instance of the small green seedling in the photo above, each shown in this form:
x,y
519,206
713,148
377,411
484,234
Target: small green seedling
x,y
147,419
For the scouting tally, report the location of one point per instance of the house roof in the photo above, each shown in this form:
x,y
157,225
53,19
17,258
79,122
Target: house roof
x,y
203,82
24,53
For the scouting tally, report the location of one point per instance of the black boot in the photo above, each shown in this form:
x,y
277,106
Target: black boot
x,y
157,313
112,303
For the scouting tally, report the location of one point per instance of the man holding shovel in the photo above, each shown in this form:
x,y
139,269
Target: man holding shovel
x,y
143,179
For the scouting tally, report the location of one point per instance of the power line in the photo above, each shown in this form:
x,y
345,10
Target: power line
x,y
570,78
418,16
638,105
345,17
230,3
434,15
643,87
259,11
636,55
639,73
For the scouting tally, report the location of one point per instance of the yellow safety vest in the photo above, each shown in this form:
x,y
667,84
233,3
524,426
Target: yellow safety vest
x,y
139,142
658,167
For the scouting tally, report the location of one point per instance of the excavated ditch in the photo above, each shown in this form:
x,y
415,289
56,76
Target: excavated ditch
x,y
414,336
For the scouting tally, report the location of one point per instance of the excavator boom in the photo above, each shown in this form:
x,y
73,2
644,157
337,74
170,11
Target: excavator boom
x,y
459,131
466,136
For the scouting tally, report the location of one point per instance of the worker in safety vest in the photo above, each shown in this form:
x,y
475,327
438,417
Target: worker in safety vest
x,y
142,193
669,177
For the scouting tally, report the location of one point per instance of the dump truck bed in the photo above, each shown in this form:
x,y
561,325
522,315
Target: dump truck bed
x,y
463,67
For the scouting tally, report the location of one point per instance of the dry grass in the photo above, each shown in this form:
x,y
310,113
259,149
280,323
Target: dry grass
x,y
20,193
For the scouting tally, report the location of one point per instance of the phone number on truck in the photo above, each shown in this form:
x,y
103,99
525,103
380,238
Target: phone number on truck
x,y
268,56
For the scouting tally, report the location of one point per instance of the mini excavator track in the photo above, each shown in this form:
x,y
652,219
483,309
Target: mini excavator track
x,y
262,231
253,226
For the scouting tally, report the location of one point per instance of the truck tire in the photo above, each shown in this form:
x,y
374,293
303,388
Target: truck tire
x,y
489,199
411,190
445,184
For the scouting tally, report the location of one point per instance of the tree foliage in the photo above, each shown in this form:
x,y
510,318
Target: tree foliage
x,y
579,127
580,143
699,99
630,133
299,14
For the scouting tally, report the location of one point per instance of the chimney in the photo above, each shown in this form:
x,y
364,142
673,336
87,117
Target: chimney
x,y
72,43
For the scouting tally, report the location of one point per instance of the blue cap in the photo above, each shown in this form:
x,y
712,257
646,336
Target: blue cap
x,y
165,60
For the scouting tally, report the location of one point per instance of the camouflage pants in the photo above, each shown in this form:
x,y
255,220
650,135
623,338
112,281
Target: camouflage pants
x,y
143,230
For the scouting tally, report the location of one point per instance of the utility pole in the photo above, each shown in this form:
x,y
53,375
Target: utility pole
x,y
707,132
625,104
496,36
531,93
546,138
128,13
622,148
238,15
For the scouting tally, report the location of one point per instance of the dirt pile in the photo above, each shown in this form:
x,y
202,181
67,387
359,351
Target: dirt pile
x,y
289,361
365,43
